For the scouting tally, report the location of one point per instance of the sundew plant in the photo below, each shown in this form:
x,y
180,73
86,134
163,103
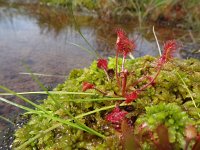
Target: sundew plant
x,y
118,103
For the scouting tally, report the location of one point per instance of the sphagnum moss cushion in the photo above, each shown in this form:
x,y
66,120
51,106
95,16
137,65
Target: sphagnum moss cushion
x,y
166,102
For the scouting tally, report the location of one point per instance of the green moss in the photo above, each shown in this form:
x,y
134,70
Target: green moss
x,y
177,111
171,115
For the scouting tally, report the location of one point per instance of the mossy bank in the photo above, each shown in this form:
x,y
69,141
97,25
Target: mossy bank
x,y
169,102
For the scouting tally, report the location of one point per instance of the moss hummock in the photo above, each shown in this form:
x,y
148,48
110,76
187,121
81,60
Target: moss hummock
x,y
167,102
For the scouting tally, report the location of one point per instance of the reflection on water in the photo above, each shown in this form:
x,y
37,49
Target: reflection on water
x,y
24,38
38,36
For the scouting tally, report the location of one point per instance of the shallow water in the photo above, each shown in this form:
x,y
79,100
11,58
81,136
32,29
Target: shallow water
x,y
40,36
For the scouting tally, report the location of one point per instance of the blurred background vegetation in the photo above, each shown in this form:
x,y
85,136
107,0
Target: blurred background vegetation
x,y
165,11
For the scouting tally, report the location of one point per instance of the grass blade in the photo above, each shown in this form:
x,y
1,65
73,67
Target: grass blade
x,y
159,50
78,125
23,98
18,105
79,31
67,122
40,74
98,110
83,48
94,100
6,119
75,125
41,85
188,90
59,124
51,92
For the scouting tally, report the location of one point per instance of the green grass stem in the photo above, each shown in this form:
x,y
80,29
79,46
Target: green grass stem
x,y
6,119
51,92
83,48
79,30
18,105
188,90
79,125
98,110
59,124
41,85
95,100
23,98
50,116
45,75
159,49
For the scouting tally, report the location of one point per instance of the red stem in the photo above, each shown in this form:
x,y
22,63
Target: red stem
x,y
123,62
148,84
187,144
104,93
124,79
138,81
124,76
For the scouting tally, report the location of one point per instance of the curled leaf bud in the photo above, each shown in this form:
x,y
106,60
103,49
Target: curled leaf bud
x,y
131,97
170,47
102,64
87,85
116,116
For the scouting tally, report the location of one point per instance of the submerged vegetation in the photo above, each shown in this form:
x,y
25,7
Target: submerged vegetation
x,y
119,103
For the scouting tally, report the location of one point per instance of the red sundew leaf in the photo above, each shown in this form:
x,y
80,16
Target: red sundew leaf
x,y
197,144
170,47
120,33
163,136
131,97
190,132
123,44
129,140
102,64
116,116
87,85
